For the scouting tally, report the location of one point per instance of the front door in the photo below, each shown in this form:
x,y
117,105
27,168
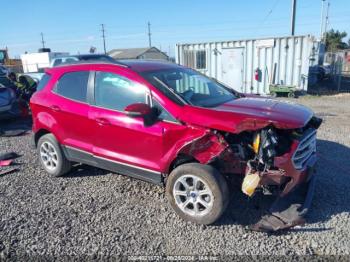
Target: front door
x,y
232,68
120,139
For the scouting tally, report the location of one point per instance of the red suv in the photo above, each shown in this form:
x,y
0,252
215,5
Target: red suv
x,y
170,125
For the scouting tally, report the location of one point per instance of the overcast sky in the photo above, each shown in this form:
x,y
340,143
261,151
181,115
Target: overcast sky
x,y
74,25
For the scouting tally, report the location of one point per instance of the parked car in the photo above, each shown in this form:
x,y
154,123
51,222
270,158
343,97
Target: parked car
x,y
170,125
4,71
9,106
76,58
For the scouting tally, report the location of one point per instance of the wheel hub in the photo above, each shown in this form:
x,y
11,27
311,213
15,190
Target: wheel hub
x,y
192,195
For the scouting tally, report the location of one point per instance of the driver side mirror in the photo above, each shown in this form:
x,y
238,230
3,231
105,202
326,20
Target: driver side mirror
x,y
138,110
149,114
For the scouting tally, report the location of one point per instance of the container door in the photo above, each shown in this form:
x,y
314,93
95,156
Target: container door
x,y
232,68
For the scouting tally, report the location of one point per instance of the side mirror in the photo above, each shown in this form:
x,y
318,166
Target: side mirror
x,y
138,110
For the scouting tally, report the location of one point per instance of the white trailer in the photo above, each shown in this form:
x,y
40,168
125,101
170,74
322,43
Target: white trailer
x,y
277,60
37,62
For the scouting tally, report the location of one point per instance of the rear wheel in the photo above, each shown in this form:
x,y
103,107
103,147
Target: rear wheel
x,y
52,157
197,193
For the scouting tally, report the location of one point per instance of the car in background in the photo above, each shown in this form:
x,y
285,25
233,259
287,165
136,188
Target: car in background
x,y
76,58
9,106
4,70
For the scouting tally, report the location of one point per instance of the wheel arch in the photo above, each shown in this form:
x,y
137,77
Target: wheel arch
x,y
41,132
181,159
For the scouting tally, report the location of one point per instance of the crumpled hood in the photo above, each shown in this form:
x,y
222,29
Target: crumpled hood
x,y
248,113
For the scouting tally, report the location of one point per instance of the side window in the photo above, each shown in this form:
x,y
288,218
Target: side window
x,y
42,83
73,85
165,115
116,92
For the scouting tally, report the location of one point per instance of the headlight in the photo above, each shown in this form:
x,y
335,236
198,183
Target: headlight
x,y
256,143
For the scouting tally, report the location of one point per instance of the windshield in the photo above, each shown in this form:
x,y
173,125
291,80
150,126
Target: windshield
x,y
193,87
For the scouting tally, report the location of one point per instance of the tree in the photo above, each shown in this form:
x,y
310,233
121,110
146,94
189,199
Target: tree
x,y
334,40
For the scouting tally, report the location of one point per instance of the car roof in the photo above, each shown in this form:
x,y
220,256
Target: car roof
x,y
139,65
135,65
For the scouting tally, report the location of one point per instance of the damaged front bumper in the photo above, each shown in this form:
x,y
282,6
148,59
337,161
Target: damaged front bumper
x,y
294,201
289,210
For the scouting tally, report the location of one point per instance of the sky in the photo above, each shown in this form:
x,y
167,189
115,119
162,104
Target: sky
x,y
75,25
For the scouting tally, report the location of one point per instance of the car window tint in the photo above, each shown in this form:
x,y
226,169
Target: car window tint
x,y
164,115
116,92
42,83
73,85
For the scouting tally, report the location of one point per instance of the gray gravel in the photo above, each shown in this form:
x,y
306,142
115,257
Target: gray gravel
x,y
99,214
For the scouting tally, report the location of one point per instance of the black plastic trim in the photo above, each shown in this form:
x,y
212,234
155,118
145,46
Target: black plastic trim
x,y
82,156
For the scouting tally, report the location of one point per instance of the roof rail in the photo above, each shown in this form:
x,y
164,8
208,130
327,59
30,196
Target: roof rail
x,y
87,62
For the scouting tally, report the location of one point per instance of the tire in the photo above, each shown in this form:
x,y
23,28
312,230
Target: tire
x,y
203,204
291,95
56,163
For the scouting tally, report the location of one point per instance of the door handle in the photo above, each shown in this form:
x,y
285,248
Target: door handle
x,y
55,108
102,121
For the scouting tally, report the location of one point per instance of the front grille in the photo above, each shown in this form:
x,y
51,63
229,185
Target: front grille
x,y
306,148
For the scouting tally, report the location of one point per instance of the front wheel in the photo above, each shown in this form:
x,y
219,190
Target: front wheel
x,y
197,193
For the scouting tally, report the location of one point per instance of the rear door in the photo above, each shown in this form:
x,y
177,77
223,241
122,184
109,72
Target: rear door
x,y
70,108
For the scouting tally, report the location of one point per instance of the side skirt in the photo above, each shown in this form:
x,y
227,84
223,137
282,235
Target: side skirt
x,y
84,157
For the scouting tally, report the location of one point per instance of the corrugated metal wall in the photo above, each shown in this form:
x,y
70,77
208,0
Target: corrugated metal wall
x,y
292,56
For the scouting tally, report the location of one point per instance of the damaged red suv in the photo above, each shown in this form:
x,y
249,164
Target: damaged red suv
x,y
170,125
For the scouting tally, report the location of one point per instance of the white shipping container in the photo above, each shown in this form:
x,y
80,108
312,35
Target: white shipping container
x,y
235,63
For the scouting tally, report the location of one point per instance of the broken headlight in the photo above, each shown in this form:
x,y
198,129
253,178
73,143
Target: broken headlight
x,y
267,145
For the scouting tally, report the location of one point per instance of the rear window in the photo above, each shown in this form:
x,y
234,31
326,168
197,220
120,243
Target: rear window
x,y
43,82
73,85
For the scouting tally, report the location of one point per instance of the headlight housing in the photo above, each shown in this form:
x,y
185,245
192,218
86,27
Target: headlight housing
x,y
256,143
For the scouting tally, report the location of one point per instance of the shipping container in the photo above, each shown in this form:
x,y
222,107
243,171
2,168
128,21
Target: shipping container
x,y
252,65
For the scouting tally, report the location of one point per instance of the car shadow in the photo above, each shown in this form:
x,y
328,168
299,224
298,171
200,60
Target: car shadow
x,y
330,198
82,170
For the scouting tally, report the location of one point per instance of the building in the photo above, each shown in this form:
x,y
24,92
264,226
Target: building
x,y
138,53
252,65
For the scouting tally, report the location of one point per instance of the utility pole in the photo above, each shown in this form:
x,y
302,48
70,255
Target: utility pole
x,y
103,37
322,20
292,24
42,40
327,20
149,35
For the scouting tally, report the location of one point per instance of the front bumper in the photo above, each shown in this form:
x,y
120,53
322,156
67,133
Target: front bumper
x,y
289,210
287,175
297,189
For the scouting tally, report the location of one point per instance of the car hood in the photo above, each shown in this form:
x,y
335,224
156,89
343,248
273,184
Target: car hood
x,y
248,113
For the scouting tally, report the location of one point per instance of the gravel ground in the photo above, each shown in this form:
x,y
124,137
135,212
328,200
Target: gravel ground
x,y
96,213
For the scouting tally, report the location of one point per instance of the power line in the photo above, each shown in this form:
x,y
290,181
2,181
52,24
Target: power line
x,y
42,40
103,37
149,35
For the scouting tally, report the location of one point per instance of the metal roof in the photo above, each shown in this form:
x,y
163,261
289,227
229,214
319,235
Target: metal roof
x,y
131,53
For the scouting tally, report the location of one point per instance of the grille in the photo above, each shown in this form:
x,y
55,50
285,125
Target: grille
x,y
306,148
